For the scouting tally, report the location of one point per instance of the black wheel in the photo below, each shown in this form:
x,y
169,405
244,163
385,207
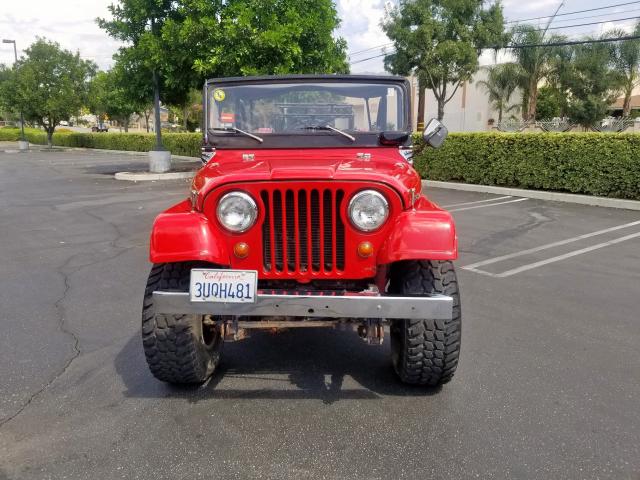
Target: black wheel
x,y
178,348
425,351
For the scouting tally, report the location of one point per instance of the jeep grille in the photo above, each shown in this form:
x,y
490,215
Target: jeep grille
x,y
303,230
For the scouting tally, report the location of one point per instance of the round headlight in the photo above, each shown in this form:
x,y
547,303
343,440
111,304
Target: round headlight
x,y
368,210
237,211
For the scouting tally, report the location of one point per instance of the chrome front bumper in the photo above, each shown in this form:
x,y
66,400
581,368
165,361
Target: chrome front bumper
x,y
437,307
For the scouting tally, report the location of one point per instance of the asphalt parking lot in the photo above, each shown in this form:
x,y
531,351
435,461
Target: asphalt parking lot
x,y
548,385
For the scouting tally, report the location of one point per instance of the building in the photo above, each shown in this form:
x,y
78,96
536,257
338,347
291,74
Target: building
x,y
468,110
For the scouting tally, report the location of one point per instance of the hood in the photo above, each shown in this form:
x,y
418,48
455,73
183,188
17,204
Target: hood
x,y
385,165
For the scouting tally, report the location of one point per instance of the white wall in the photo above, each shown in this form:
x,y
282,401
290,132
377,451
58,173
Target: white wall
x,y
467,111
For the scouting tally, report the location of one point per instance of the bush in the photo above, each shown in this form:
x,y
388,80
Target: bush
x,y
601,164
187,144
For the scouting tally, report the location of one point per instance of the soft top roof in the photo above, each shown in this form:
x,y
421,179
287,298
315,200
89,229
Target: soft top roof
x,y
309,78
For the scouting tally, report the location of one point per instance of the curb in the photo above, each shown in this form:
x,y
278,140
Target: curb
x,y
538,194
132,152
146,176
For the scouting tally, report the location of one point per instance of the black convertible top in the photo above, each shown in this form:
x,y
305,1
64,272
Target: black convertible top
x,y
309,78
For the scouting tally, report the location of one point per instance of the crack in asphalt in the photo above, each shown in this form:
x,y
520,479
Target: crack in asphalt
x,y
61,311
63,328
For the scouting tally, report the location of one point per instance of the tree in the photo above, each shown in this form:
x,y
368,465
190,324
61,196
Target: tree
x,y
500,85
626,57
109,98
534,62
550,103
49,84
593,83
140,22
439,41
253,37
557,87
182,42
134,77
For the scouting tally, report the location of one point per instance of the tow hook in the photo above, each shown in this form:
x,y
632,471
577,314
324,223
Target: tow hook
x,y
372,331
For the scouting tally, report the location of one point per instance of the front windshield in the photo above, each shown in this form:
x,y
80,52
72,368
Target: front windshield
x,y
274,108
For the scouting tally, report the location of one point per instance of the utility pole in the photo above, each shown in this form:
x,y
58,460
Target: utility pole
x,y
15,53
552,18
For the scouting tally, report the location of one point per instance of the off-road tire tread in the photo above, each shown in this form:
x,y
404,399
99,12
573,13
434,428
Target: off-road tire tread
x,y
171,346
428,349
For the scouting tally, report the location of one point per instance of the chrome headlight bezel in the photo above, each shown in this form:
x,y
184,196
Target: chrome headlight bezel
x,y
251,211
354,203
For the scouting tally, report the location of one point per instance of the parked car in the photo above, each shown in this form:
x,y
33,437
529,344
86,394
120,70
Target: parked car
x,y
100,127
307,213
64,123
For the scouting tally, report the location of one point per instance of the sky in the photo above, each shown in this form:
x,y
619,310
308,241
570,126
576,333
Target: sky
x,y
72,24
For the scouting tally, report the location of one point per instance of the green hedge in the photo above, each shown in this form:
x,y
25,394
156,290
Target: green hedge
x,y
601,164
187,144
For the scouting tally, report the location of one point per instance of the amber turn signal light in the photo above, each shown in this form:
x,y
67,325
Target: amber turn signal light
x,y
241,250
365,249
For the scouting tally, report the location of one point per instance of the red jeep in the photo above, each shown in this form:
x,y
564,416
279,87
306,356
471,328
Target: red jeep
x,y
307,213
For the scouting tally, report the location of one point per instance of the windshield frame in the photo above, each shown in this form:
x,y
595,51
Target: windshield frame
x,y
303,139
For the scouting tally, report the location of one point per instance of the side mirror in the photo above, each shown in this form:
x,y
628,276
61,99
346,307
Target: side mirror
x,y
435,133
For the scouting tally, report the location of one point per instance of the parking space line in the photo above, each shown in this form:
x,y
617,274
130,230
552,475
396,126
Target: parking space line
x,y
531,266
489,261
478,201
489,205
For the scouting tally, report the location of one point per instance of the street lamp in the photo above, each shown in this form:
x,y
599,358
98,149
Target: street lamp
x,y
15,53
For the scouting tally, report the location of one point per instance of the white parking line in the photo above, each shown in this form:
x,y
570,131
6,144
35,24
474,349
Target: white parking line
x,y
550,245
489,205
531,266
495,199
479,201
474,266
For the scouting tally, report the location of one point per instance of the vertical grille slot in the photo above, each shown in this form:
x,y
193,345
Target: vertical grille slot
x,y
339,231
267,253
278,231
328,213
315,230
290,216
303,222
303,231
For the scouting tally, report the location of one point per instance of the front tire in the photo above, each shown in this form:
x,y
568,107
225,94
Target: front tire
x,y
178,348
425,351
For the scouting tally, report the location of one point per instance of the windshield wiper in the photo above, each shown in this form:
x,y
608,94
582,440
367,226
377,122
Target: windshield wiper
x,y
237,130
333,129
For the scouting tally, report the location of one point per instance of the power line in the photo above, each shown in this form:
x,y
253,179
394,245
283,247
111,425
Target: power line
x,y
540,45
599,16
371,58
586,24
572,13
369,49
571,42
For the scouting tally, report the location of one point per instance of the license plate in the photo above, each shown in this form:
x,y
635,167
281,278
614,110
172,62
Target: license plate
x,y
223,286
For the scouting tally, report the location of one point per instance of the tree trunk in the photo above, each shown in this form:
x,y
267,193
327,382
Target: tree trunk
x,y
500,114
626,106
421,102
126,124
156,103
440,108
525,104
147,114
50,136
533,100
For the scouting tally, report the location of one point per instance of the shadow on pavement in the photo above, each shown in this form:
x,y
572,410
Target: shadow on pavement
x,y
303,364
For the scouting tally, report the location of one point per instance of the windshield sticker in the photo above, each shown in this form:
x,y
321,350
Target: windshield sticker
x,y
227,117
219,95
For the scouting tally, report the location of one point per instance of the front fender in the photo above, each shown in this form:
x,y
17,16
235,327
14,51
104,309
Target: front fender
x,y
181,235
421,235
